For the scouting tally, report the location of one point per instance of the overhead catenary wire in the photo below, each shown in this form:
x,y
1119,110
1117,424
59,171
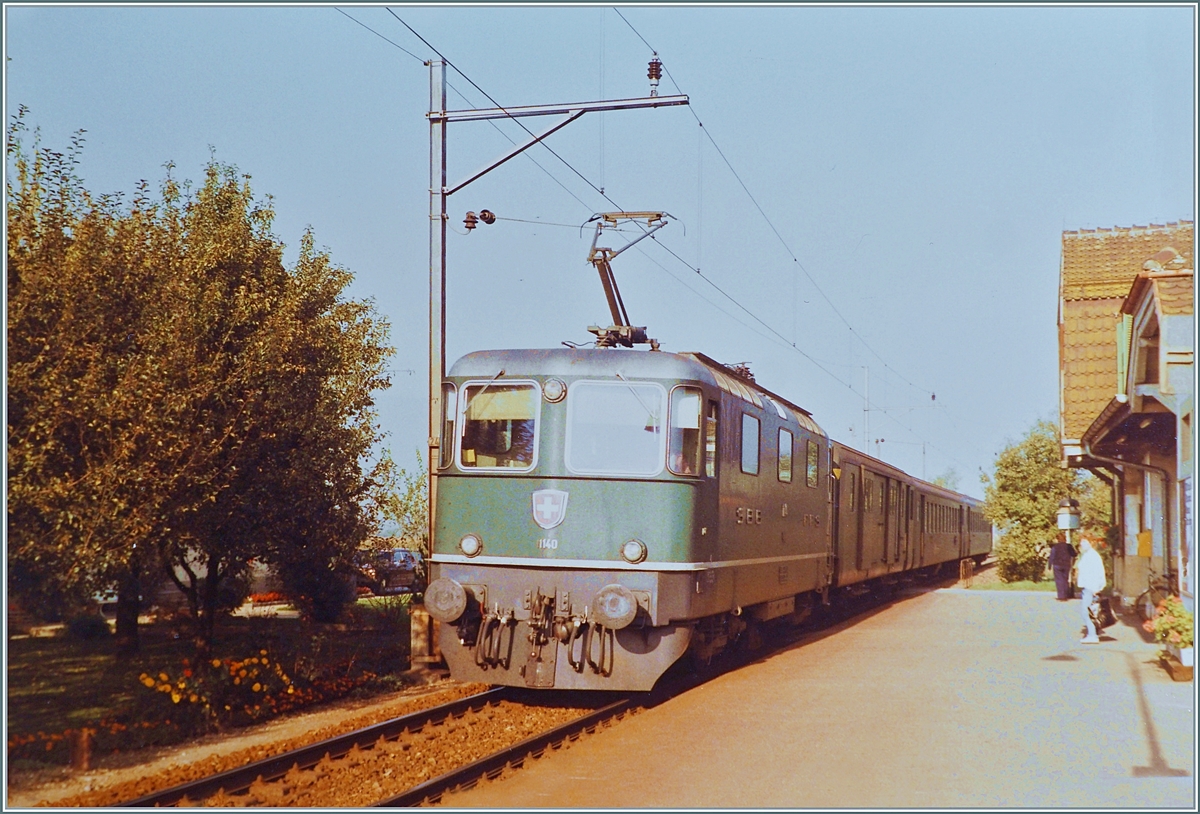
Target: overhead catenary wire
x,y
463,96
791,254
767,218
600,191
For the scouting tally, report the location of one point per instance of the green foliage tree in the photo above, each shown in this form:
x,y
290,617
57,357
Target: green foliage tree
x,y
948,479
406,504
177,397
1021,499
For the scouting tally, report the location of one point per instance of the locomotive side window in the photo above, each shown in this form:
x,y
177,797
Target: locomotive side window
x,y
616,428
499,426
710,441
814,459
449,411
683,444
850,499
749,444
785,456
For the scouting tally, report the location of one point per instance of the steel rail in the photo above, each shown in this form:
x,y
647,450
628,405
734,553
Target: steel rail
x,y
271,768
494,764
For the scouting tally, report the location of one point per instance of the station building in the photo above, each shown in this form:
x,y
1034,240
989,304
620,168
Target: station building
x,y
1126,346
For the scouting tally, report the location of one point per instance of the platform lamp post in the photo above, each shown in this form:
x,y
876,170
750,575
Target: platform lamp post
x,y
424,651
1068,516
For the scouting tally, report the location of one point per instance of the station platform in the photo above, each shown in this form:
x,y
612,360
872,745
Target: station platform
x,y
946,698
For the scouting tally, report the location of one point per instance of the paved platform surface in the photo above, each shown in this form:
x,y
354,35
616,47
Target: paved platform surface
x,y
944,699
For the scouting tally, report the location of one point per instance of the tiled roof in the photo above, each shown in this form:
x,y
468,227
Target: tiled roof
x,y
1176,294
1102,263
1088,358
1102,270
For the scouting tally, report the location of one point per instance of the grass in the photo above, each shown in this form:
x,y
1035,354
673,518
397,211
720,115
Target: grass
x,y
58,684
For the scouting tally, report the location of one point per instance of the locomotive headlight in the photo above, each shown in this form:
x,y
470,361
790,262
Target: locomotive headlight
x,y
634,551
553,390
445,600
470,545
614,606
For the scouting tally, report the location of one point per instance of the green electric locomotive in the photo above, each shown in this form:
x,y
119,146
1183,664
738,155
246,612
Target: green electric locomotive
x,y
599,512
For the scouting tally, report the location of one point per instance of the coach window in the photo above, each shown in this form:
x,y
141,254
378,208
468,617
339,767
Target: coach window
x,y
814,458
785,456
683,444
749,444
499,426
449,411
710,441
616,428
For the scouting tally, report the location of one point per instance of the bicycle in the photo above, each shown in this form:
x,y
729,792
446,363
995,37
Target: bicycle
x,y
1148,600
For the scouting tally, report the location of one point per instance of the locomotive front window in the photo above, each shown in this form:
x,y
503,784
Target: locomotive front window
x,y
499,426
683,445
616,428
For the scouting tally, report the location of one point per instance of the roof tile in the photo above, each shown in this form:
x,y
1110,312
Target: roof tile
x,y
1101,263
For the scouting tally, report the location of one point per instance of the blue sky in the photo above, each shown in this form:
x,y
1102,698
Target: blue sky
x,y
887,189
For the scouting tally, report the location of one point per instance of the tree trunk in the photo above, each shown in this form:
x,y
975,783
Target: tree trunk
x,y
206,627
129,604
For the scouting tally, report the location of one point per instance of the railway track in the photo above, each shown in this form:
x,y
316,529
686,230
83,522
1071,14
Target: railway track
x,y
284,779
583,712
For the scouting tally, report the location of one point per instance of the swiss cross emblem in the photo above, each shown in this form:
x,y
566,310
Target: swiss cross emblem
x,y
549,507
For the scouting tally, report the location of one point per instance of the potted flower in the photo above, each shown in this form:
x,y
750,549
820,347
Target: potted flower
x,y
1174,627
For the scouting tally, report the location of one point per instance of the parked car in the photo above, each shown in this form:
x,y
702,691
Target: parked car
x,y
393,570
399,570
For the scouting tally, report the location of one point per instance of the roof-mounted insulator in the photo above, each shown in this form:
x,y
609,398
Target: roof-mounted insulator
x,y
655,74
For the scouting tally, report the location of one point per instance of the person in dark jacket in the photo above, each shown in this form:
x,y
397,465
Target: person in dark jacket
x,y
1062,555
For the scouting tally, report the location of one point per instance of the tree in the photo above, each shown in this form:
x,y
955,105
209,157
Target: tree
x,y
1021,499
176,395
948,479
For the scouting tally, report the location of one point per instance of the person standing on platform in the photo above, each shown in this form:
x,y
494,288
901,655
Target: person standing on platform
x,y
1092,579
1062,557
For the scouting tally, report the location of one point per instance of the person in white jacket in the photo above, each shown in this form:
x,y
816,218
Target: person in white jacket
x,y
1091,580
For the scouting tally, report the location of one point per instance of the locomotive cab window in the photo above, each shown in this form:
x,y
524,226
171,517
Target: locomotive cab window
x,y
449,411
499,426
785,456
749,444
616,428
813,464
683,444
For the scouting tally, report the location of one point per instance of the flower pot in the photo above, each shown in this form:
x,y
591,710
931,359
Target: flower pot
x,y
1184,655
